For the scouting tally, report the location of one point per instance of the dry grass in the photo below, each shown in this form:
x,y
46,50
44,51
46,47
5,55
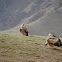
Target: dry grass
x,y
18,48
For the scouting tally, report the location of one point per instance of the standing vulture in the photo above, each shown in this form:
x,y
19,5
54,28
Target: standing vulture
x,y
24,30
52,41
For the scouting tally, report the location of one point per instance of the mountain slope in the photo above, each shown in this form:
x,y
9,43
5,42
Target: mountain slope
x,y
48,23
40,16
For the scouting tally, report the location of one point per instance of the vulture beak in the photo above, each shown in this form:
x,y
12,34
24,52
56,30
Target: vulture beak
x,y
45,44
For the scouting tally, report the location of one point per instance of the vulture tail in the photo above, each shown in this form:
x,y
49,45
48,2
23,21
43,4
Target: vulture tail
x,y
61,44
26,33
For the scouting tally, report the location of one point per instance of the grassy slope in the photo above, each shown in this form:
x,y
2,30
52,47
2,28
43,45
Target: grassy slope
x,y
18,48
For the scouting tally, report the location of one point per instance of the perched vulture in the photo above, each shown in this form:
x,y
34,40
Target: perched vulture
x,y
24,30
53,41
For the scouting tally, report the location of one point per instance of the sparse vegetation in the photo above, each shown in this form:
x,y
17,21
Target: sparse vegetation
x,y
18,48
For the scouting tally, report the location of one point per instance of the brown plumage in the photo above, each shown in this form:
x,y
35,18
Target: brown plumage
x,y
53,41
24,30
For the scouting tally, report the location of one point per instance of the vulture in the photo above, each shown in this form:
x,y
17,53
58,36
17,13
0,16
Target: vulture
x,y
24,30
52,41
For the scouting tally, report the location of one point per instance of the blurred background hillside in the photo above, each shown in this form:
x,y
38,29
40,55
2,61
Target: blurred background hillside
x,y
40,16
